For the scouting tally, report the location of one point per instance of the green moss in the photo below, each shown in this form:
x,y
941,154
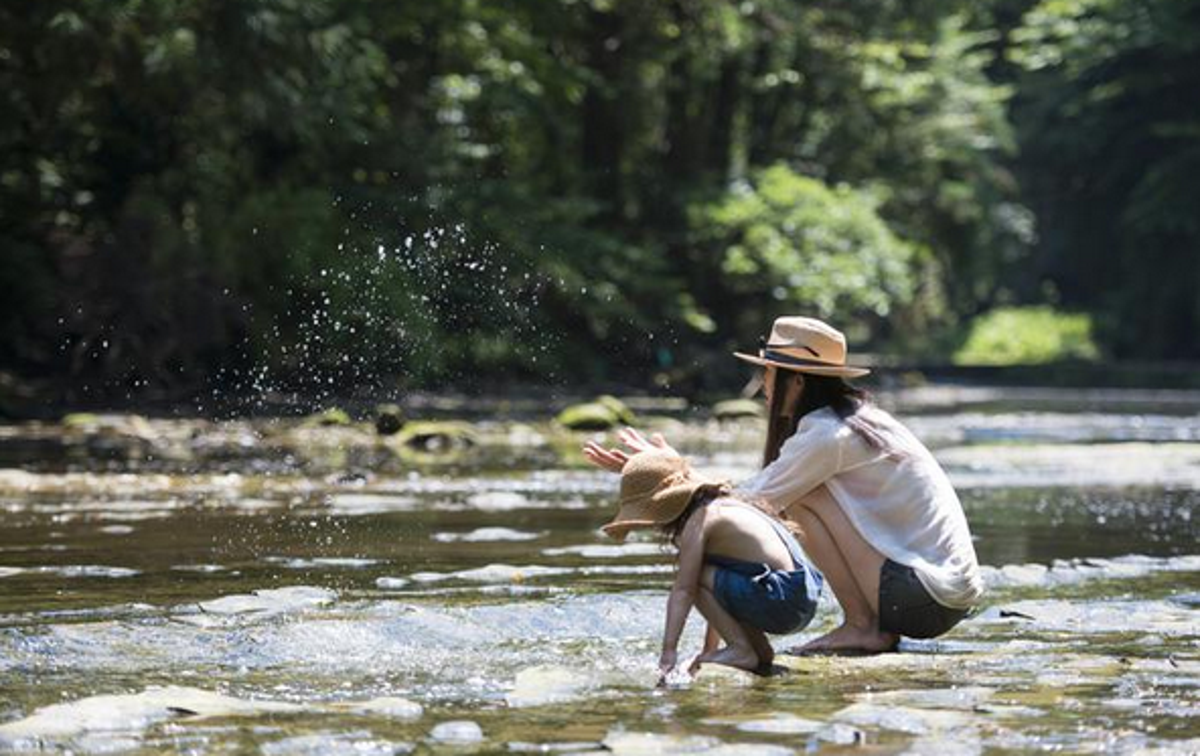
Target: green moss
x,y
80,420
588,417
331,416
433,436
618,407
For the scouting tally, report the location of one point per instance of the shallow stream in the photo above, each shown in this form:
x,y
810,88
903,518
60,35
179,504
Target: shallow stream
x,y
474,607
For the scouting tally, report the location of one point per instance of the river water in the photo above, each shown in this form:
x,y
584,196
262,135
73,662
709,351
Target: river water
x,y
264,587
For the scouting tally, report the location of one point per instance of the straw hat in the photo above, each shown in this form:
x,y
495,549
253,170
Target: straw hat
x,y
805,345
656,486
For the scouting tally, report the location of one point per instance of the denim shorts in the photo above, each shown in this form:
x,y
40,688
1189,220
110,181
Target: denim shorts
x,y
774,601
906,608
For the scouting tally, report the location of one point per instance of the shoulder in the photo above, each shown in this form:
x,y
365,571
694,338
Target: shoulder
x,y
822,424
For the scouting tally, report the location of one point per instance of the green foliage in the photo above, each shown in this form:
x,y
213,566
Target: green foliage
x,y
332,195
1027,336
810,247
1110,121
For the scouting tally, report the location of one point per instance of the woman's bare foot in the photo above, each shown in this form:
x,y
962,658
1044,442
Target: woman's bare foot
x,y
849,638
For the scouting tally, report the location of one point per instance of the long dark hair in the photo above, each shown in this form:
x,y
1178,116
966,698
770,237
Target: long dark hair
x,y
705,495
816,392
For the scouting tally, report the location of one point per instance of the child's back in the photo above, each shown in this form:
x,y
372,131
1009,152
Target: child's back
x,y
735,529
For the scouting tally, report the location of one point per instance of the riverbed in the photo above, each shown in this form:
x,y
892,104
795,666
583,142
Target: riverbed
x,y
239,586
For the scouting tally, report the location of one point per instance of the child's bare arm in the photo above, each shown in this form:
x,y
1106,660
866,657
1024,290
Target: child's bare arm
x,y
687,582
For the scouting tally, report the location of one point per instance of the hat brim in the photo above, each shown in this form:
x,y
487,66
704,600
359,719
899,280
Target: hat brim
x,y
844,371
619,530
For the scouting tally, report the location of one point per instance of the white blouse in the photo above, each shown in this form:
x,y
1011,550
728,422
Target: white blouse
x,y
903,505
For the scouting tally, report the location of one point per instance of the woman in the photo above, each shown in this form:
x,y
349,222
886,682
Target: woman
x,y
880,518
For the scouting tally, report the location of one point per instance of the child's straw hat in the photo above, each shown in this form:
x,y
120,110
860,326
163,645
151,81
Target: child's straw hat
x,y
656,486
805,345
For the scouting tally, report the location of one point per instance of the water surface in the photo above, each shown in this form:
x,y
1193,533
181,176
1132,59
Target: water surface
x,y
471,605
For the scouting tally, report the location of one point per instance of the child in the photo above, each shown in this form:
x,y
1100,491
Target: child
x,y
738,563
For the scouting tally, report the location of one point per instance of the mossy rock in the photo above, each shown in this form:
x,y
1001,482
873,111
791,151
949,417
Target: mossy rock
x,y
80,420
389,419
737,409
326,418
591,416
618,407
431,436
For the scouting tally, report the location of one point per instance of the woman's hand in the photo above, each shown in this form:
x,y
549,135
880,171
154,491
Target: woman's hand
x,y
614,459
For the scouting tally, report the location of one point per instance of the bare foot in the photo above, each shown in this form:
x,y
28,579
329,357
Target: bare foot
x,y
730,656
849,638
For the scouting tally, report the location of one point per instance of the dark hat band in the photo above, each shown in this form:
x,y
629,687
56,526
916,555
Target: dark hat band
x,y
771,354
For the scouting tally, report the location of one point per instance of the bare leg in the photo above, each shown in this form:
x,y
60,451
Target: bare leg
x,y
851,565
745,647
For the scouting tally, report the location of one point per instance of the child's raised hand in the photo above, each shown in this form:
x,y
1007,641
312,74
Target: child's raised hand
x,y
612,460
637,443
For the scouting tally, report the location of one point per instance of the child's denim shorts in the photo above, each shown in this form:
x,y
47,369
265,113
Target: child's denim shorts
x,y
774,601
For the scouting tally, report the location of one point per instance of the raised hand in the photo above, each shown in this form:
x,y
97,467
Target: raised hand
x,y
636,442
612,460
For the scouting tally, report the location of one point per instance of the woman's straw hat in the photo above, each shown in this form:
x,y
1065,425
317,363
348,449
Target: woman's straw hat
x,y
656,486
805,345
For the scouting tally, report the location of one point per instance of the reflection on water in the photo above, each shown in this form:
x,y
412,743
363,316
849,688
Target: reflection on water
x,y
481,609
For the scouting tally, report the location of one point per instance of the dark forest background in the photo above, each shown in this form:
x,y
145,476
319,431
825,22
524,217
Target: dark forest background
x,y
321,195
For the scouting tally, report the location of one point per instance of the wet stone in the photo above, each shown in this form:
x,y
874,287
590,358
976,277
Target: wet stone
x,y
737,409
498,501
537,686
388,706
963,699
457,732
775,724
608,551
903,719
487,534
272,601
579,747
353,743
591,416
106,713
